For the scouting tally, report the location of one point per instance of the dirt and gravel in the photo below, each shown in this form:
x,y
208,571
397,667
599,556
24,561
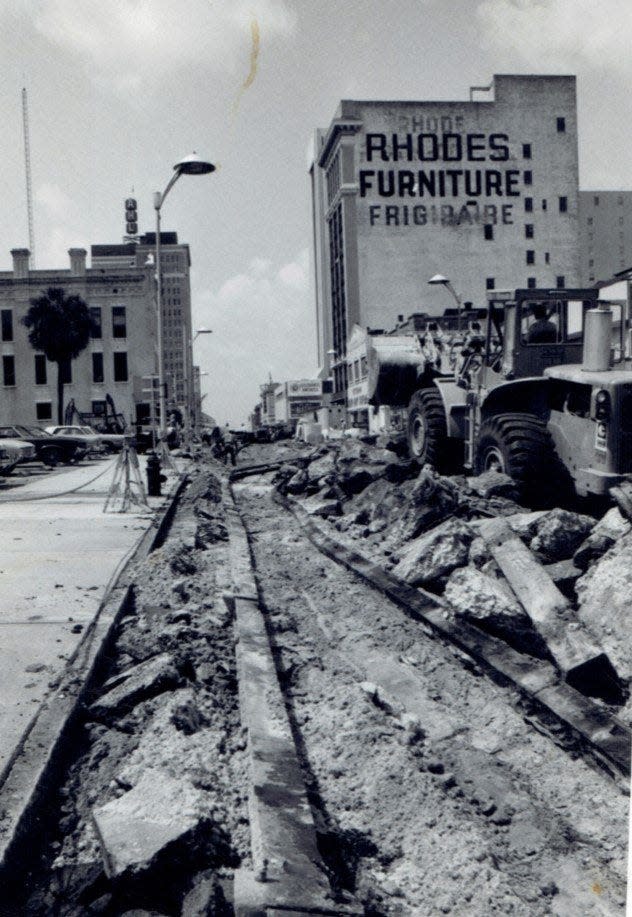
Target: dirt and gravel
x,y
449,801
459,807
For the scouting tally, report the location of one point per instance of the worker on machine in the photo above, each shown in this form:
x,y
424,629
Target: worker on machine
x,y
542,330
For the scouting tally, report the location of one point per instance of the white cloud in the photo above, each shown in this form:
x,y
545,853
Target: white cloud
x,y
263,322
550,35
131,43
53,199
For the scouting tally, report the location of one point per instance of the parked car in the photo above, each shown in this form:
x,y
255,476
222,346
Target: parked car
x,y
51,450
93,441
112,442
14,452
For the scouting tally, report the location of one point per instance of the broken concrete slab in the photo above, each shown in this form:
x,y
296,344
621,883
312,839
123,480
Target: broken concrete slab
x,y
559,533
584,664
161,818
145,680
604,597
488,603
493,484
315,506
435,554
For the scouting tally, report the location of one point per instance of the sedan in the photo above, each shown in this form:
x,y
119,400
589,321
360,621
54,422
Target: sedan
x,y
13,452
48,449
92,440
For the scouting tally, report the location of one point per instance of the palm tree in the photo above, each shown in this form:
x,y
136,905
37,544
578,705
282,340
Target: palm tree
x,y
60,326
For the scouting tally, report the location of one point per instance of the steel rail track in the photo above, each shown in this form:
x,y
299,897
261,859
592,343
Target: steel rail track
x,y
552,706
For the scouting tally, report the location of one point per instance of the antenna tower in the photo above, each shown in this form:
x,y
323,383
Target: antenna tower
x,y
27,163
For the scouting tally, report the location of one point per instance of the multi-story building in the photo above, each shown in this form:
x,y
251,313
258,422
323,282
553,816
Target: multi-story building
x,y
484,192
267,391
175,261
605,234
121,350
295,398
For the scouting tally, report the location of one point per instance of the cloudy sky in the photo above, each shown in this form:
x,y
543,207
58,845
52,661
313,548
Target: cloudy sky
x,y
119,90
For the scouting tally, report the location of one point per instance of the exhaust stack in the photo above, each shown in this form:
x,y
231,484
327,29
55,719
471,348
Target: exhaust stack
x,y
597,339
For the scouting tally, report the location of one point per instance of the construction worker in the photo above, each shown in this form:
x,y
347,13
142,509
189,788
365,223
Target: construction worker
x,y
543,330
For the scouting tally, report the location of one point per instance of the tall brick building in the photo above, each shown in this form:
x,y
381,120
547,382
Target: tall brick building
x,y
605,221
483,191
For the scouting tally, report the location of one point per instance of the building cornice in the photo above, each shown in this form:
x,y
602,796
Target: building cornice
x,y
339,127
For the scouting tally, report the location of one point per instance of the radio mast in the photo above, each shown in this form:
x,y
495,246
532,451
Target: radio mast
x,y
27,163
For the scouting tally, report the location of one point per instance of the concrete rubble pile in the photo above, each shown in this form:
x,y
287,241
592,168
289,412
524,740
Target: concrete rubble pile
x,y
154,813
433,532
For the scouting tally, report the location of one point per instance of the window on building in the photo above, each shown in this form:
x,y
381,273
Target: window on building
x,y
8,370
65,370
337,285
490,283
44,410
120,367
563,205
7,324
488,229
97,367
40,369
119,322
526,151
590,221
561,125
531,283
528,231
620,200
547,258
98,407
620,221
596,200
95,315
591,262
591,279
527,177
528,204
544,204
560,282
530,256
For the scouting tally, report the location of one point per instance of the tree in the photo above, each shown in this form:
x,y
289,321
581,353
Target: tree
x,y
60,326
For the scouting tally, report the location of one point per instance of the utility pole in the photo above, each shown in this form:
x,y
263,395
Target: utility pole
x,y
27,163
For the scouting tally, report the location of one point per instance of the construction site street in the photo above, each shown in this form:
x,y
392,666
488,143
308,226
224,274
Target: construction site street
x,y
59,552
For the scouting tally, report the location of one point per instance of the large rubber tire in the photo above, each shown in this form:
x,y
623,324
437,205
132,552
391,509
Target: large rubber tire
x,y
520,446
428,429
51,456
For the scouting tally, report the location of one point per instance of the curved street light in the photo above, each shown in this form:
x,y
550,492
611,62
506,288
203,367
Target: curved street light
x,y
440,280
190,165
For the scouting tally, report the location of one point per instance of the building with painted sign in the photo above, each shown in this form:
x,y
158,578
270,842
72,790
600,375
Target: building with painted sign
x,y
295,398
483,191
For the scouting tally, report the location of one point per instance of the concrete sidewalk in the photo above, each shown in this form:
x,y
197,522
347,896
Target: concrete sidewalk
x,y
59,552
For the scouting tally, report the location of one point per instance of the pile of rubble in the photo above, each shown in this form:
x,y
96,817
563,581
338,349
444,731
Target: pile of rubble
x,y
153,816
466,539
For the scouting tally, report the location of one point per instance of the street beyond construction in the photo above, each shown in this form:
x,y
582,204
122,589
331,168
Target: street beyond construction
x,y
347,684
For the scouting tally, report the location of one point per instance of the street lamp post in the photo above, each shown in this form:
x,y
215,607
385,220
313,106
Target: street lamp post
x,y
440,280
188,379
190,165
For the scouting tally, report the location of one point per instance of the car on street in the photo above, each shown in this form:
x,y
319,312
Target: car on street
x,y
93,441
14,452
51,450
109,442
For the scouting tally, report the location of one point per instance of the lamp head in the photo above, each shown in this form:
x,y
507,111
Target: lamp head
x,y
194,165
439,279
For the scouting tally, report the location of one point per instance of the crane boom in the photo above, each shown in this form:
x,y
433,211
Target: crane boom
x,y
27,164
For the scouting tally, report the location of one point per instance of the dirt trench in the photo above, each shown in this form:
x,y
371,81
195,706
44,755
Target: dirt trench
x,y
453,804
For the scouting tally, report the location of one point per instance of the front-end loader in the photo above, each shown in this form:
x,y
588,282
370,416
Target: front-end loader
x,y
544,395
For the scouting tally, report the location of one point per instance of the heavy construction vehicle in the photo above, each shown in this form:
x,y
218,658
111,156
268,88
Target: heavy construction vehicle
x,y
544,395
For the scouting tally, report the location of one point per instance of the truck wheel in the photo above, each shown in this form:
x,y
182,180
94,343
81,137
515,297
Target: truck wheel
x,y
427,428
51,456
520,446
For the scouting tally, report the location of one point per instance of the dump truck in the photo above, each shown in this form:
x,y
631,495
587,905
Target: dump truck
x,y
543,393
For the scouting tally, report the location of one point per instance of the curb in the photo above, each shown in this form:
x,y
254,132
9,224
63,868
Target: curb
x,y
608,739
39,758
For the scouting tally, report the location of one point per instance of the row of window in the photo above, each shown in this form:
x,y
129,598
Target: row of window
x,y
358,369
532,283
119,369
119,322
